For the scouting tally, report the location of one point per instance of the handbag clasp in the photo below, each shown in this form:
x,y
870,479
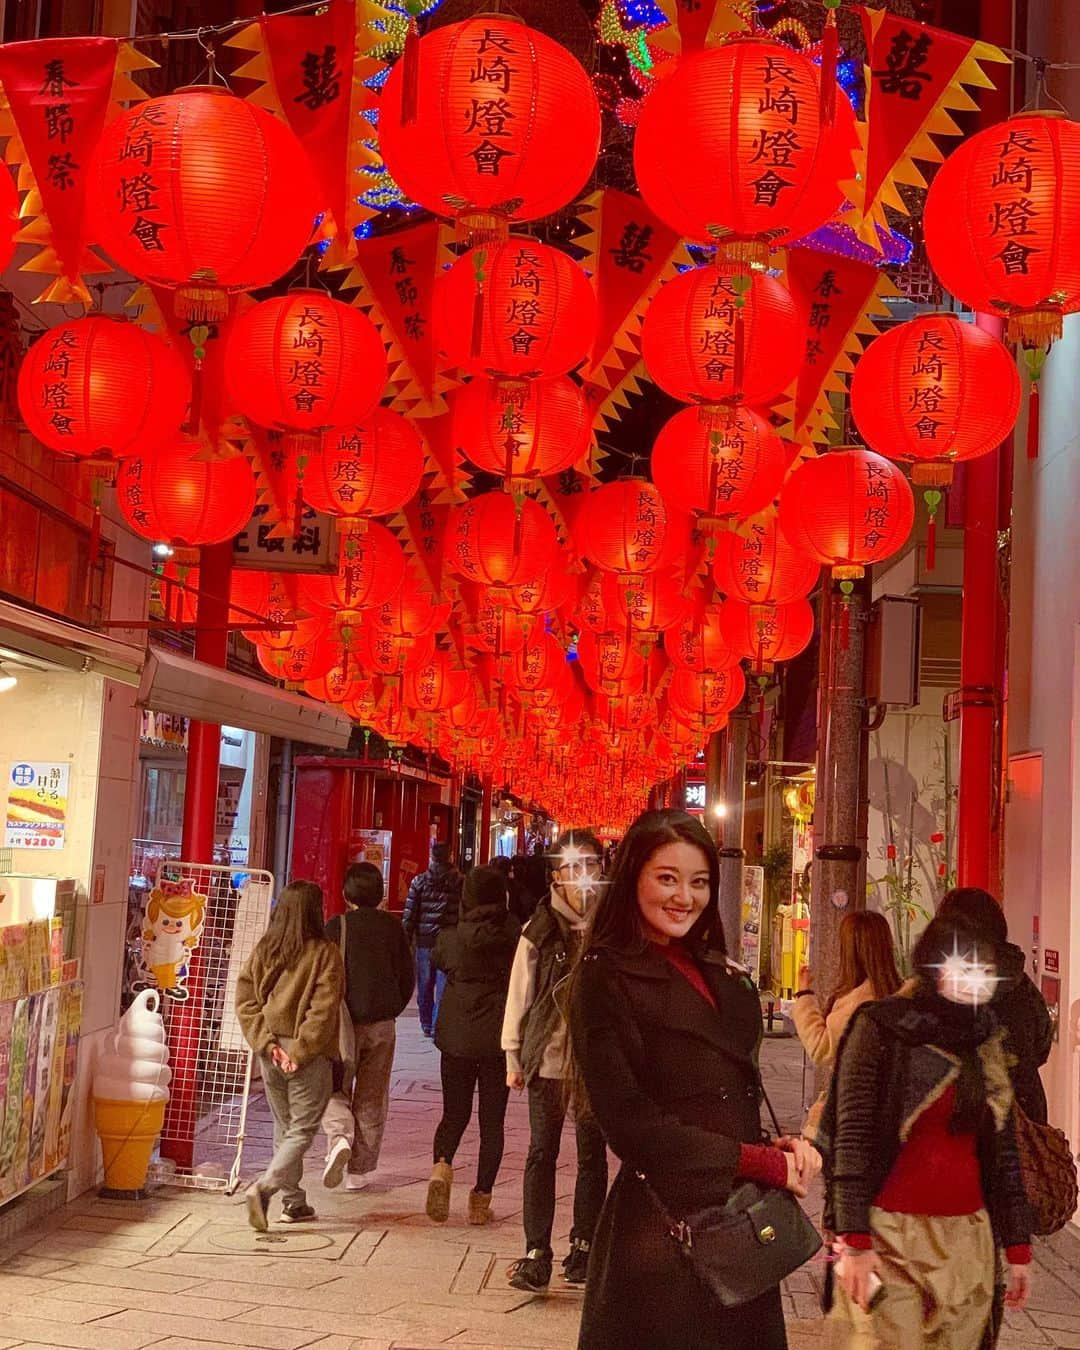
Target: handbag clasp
x,y
682,1233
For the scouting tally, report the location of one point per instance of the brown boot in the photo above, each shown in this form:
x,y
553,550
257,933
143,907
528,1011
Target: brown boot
x,y
479,1207
438,1192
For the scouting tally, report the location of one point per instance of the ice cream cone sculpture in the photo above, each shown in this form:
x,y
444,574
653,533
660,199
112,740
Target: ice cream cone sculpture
x,y
131,1088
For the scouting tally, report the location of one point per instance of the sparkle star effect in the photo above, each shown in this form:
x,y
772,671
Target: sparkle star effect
x,y
963,978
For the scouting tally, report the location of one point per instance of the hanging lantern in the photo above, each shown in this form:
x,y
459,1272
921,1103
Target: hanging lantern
x,y
735,147
297,663
102,386
170,497
767,633
204,193
522,429
549,593
362,708
371,573
436,685
519,309
717,464
722,334
289,625
649,604
698,643
341,684
708,694
590,611
371,468
999,223
621,527
610,662
540,665
381,652
499,628
302,362
492,118
412,611
758,564
848,509
933,392
493,540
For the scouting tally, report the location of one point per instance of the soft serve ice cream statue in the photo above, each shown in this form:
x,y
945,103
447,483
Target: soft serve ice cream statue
x,y
131,1088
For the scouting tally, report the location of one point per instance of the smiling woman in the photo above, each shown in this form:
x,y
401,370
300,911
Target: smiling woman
x,y
673,891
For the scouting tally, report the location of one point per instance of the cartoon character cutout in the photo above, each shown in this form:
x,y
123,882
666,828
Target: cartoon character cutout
x,y
172,926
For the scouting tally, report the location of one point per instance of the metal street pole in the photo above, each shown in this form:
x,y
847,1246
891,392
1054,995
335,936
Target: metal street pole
x,y
732,854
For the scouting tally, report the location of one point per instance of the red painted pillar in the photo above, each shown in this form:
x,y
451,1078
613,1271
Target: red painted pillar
x,y
484,850
197,845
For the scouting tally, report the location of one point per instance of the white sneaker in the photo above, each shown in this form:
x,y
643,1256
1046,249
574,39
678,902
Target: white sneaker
x,y
336,1162
356,1182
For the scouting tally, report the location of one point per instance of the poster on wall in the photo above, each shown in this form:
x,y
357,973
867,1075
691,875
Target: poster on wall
x,y
37,800
750,928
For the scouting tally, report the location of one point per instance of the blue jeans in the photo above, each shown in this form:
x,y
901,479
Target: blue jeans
x,y
430,984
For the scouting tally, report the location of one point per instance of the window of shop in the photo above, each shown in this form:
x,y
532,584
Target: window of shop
x,y
45,560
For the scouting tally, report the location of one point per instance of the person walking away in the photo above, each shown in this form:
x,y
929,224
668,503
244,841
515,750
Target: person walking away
x,y
378,986
432,903
534,1039
287,1000
476,956
665,1033
867,972
523,897
922,1170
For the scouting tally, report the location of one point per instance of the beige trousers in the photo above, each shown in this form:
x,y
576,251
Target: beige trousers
x,y
938,1274
358,1113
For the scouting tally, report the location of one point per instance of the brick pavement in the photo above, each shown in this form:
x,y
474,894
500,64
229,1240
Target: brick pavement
x,y
183,1272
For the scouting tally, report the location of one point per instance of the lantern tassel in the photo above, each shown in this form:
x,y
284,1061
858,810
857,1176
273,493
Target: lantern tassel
x,y
931,543
830,54
738,365
410,69
476,343
95,535
1033,420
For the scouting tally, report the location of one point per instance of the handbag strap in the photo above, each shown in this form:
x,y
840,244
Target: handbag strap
x,y
772,1113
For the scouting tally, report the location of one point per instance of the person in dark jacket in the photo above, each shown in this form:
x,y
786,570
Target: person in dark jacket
x,y
527,886
665,1033
378,986
922,1169
432,904
476,956
1019,1006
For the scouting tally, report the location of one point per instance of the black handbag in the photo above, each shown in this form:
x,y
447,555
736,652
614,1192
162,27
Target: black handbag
x,y
745,1247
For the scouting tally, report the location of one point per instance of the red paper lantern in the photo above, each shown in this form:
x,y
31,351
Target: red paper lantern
x,y
649,604
621,527
385,653
304,361
610,662
341,684
709,694
372,571
369,469
935,391
522,429
721,334
590,611
767,633
412,611
540,665
496,542
301,626
732,146
169,496
102,386
494,117
1000,222
848,509
549,593
758,564
499,629
699,643
718,464
202,192
9,217
436,685
516,309
297,663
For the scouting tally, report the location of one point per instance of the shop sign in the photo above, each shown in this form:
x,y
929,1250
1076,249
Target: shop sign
x,y
1051,961
37,799
750,928
312,549
165,730
695,797
228,803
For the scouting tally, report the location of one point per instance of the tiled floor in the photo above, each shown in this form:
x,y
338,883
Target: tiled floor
x,y
183,1272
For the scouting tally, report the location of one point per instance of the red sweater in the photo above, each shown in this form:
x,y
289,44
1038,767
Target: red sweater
x,y
757,1162
936,1173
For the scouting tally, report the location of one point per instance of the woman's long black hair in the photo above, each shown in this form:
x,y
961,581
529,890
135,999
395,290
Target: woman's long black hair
x,y
616,923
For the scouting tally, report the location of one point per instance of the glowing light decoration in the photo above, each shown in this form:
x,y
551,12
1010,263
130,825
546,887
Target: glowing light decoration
x,y
767,633
173,496
371,468
499,542
718,464
622,526
522,429
758,564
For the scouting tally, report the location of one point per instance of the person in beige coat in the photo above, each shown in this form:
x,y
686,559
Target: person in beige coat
x,y
867,973
288,997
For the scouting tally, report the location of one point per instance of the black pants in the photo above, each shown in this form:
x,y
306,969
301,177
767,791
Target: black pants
x,y
547,1110
459,1081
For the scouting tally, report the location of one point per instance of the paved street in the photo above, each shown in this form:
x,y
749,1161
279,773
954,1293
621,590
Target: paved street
x,y
183,1272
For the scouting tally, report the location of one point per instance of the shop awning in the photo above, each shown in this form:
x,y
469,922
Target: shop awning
x,y
173,683
37,640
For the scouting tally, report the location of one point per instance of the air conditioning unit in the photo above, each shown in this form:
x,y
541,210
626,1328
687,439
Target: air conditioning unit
x,y
893,647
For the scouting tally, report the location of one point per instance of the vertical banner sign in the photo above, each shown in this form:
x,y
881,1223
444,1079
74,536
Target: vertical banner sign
x,y
750,927
915,77
838,298
37,802
398,273
631,252
57,93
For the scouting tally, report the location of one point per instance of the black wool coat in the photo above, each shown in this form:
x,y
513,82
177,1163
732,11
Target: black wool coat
x,y
477,955
673,1085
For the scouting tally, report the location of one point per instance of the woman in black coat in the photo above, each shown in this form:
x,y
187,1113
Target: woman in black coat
x,y
476,956
665,1034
